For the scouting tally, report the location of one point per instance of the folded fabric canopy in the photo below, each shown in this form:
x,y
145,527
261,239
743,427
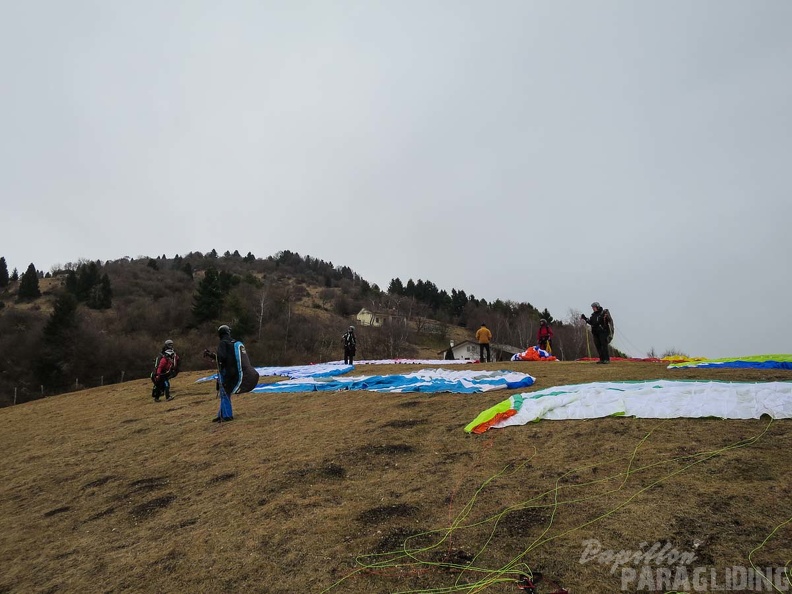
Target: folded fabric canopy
x,y
660,399
426,380
533,353
297,371
749,362
409,361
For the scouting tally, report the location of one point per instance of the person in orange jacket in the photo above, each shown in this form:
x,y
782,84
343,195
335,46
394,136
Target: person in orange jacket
x,y
484,336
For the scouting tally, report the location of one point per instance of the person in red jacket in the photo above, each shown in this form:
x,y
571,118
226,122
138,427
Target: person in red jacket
x,y
544,337
166,367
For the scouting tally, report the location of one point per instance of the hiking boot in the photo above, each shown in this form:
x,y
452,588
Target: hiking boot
x,y
156,400
168,397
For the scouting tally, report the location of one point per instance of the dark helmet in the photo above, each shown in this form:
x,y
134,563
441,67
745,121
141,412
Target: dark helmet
x,y
223,330
596,305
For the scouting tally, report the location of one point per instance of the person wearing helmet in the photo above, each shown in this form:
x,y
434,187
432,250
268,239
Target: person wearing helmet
x,y
235,373
166,367
349,341
600,331
544,337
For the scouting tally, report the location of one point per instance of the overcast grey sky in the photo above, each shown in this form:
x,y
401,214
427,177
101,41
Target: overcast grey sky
x,y
637,153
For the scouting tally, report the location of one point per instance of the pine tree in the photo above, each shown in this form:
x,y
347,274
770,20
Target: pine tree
x,y
101,295
87,278
208,300
4,278
14,276
106,300
29,285
58,342
71,282
396,287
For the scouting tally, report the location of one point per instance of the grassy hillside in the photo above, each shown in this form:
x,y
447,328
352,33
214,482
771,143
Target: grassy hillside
x,y
287,309
106,491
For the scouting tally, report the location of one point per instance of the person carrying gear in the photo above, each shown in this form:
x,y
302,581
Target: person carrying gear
x,y
350,345
166,367
235,374
544,336
600,330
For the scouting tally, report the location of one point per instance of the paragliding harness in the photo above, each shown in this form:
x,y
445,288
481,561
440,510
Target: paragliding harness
x,y
162,383
607,323
174,370
528,584
350,342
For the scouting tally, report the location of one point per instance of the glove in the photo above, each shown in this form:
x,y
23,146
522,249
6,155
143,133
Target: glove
x,y
583,317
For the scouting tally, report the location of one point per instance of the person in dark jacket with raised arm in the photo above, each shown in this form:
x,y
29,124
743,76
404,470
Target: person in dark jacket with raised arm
x,y
599,330
235,374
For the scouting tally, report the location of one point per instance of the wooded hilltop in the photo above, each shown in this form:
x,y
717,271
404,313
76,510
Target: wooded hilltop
x,y
92,323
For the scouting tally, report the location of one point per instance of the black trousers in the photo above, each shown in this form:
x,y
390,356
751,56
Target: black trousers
x,y
161,387
482,347
349,355
601,342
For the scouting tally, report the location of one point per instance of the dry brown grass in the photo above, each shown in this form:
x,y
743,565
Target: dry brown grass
x,y
107,491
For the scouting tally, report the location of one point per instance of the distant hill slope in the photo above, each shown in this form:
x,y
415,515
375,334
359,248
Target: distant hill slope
x,y
98,323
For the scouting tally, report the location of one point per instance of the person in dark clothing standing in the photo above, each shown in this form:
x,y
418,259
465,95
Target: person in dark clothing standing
x,y
599,330
350,345
235,374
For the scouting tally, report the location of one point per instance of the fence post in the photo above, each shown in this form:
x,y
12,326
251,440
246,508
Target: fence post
x,y
101,380
15,395
42,390
76,383
122,377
